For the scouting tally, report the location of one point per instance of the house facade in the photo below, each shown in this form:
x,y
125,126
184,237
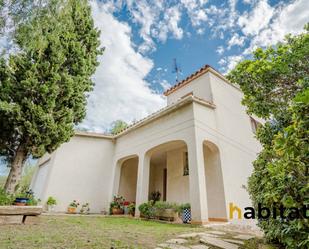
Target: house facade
x,y
198,149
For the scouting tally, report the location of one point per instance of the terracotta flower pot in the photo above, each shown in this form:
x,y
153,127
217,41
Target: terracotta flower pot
x,y
117,211
72,210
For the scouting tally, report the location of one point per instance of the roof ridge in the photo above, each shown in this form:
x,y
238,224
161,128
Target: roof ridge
x,y
193,76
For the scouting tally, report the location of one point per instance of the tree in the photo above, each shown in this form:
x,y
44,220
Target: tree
x,y
44,85
275,85
118,126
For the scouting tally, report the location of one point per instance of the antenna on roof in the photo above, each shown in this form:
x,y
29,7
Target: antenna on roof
x,y
176,69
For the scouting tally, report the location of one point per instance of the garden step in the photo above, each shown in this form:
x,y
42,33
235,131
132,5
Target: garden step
x,y
244,236
218,242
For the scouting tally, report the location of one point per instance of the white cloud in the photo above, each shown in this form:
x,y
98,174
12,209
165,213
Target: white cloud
x,y
120,91
196,12
287,19
220,50
251,23
236,40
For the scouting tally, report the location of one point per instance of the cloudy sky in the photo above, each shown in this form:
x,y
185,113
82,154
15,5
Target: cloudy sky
x,y
143,37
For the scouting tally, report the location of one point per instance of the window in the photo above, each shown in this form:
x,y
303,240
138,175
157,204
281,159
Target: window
x,y
186,164
254,124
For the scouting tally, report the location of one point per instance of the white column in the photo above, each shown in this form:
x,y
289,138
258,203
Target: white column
x,y
197,182
142,187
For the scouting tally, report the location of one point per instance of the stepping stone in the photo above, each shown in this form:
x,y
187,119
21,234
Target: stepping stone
x,y
172,246
218,242
189,235
199,247
244,236
209,235
234,241
217,232
177,241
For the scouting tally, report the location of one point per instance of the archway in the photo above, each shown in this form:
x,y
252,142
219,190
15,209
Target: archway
x,y
128,179
214,183
169,171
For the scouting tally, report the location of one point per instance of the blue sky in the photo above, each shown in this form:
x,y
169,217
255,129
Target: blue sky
x,y
143,37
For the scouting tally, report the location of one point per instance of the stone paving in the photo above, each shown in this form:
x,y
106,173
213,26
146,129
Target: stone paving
x,y
206,240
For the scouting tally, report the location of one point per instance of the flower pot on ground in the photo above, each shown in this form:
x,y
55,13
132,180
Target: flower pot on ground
x,y
117,205
131,209
166,211
51,203
117,211
185,212
72,208
85,209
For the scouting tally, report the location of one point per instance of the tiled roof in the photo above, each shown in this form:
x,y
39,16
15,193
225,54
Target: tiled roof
x,y
165,110
193,76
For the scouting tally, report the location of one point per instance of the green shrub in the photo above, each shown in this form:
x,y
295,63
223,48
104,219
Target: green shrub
x,y
182,207
147,209
162,205
51,201
6,199
131,209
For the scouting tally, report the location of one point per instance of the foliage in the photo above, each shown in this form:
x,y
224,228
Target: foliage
x,y
131,209
51,201
85,209
25,192
275,85
155,196
147,209
74,204
117,202
44,84
182,207
5,198
118,126
162,205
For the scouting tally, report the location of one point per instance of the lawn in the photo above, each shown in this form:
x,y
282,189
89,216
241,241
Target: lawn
x,y
90,232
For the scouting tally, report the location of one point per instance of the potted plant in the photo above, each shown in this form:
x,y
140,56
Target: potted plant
x,y
185,212
72,207
166,210
85,209
116,206
25,198
131,209
51,203
155,196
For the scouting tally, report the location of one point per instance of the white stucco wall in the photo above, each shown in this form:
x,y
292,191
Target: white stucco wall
x,y
80,171
200,87
177,183
128,179
156,178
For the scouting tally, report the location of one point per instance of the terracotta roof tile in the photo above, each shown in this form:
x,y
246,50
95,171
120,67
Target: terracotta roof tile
x,y
191,77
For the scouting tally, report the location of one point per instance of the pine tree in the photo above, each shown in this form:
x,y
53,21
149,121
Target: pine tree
x,y
44,85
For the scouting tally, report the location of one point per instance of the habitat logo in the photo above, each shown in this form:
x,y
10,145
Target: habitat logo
x,y
267,213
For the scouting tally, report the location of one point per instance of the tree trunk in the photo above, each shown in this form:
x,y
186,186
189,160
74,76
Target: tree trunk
x,y
16,170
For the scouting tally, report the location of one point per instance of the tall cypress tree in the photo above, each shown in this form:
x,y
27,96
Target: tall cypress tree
x,y
44,85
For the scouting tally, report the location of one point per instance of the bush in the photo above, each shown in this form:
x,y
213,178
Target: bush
x,y
182,207
51,201
131,209
147,209
162,205
6,199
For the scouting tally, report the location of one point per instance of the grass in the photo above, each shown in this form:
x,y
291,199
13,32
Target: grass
x,y
90,232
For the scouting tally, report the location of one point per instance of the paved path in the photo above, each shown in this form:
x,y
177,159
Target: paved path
x,y
206,240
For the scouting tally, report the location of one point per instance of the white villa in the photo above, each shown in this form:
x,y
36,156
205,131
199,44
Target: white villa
x,y
198,149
